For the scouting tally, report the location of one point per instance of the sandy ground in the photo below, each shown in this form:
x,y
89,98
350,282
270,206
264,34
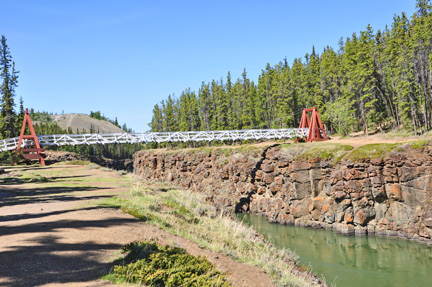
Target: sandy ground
x,y
56,237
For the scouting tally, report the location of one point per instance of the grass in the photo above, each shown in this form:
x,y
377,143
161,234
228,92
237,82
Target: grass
x,y
77,162
147,263
187,215
419,144
399,133
317,150
218,150
372,151
227,151
334,152
93,166
21,178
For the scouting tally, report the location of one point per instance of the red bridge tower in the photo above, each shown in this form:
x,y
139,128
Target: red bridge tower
x,y
316,128
32,150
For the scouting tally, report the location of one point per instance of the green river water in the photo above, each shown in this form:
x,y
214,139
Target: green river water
x,y
351,261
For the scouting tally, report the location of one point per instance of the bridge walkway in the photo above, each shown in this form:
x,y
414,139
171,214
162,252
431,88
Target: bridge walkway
x,y
159,137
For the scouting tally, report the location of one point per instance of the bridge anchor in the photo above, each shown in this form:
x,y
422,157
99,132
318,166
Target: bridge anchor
x,y
32,149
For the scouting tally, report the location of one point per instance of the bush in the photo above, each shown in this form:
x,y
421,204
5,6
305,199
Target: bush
x,y
152,265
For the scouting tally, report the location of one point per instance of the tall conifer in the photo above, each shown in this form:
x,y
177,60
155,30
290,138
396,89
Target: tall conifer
x,y
9,81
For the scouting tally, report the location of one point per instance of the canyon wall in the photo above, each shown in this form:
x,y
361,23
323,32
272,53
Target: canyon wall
x,y
389,195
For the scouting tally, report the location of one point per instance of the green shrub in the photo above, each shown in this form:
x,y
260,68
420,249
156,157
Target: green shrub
x,y
153,265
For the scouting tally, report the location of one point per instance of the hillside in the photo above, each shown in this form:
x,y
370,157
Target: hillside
x,y
82,121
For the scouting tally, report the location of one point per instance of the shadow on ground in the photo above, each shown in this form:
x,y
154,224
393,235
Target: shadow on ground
x,y
47,194
23,216
52,262
49,260
42,252
14,180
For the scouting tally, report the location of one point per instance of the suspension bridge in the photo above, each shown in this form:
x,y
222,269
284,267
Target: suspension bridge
x,y
30,146
194,136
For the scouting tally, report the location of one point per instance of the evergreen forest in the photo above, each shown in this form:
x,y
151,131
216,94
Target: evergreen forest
x,y
374,81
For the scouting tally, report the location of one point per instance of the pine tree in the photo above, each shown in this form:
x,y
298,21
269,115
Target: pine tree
x,y
248,102
170,115
205,103
313,81
217,95
157,120
221,105
9,79
194,119
296,78
421,41
367,79
183,112
331,81
20,116
229,102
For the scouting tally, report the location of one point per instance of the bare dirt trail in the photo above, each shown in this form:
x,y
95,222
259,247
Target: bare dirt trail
x,y
52,235
359,139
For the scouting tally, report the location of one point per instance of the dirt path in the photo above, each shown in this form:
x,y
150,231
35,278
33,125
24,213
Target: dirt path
x,y
52,235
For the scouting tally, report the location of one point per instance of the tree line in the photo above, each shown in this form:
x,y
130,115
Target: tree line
x,y
373,81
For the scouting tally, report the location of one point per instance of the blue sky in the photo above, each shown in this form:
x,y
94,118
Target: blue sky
x,y
123,57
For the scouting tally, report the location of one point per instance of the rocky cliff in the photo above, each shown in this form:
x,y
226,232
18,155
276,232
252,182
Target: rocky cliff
x,y
64,156
388,192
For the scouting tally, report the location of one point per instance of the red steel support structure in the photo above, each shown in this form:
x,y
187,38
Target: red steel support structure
x,y
316,128
34,152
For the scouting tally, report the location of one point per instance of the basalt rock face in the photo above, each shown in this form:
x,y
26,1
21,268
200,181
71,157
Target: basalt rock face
x,y
63,156
390,196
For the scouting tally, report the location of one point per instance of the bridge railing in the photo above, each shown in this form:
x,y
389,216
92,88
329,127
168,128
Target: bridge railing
x,y
9,144
195,136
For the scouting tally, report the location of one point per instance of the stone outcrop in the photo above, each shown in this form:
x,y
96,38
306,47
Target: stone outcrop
x,y
64,156
390,196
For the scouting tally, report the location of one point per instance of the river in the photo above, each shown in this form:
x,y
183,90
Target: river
x,y
351,261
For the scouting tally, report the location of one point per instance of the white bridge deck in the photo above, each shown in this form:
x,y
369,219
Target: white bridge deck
x,y
196,136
